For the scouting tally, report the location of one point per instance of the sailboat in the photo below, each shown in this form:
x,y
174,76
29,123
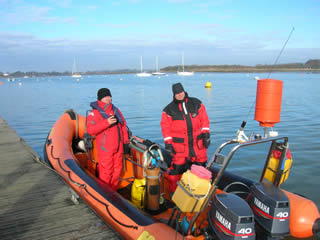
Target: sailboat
x,y
142,73
183,73
157,72
74,70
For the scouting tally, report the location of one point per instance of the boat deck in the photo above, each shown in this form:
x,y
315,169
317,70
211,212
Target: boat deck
x,y
35,203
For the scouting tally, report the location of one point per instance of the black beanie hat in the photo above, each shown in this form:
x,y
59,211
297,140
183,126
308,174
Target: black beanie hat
x,y
103,92
177,88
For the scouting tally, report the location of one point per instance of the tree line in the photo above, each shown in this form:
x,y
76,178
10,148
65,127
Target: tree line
x,y
313,64
310,65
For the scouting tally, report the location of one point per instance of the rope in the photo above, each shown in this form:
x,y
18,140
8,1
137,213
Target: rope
x,y
198,198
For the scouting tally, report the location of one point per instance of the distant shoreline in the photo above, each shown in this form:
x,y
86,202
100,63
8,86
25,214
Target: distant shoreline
x,y
311,66
250,70
196,70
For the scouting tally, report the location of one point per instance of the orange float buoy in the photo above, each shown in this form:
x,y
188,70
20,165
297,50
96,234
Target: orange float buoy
x,y
309,224
268,102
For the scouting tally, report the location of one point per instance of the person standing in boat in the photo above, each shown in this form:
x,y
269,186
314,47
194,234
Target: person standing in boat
x,y
186,132
109,127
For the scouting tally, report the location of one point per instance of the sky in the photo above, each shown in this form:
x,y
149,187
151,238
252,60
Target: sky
x,y
47,35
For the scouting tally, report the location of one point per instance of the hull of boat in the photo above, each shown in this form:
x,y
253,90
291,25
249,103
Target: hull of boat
x,y
125,218
144,74
158,73
185,73
76,76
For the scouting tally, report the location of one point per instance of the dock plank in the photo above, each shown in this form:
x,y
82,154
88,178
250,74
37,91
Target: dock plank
x,y
35,202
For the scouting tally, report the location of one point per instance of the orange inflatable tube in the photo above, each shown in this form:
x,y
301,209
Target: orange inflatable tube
x,y
303,225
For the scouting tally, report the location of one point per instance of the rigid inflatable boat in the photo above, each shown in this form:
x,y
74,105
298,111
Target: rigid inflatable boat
x,y
224,206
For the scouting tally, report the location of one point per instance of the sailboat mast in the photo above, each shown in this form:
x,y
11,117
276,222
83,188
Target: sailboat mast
x,y
157,67
141,67
182,61
74,66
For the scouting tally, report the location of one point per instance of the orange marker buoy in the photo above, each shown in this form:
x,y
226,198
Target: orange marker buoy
x,y
1,82
268,102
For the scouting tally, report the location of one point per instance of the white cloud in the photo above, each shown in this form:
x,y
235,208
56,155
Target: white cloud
x,y
227,46
31,13
179,1
115,25
62,3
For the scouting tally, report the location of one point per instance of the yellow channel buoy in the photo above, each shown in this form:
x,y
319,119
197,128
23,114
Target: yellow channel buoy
x,y
208,85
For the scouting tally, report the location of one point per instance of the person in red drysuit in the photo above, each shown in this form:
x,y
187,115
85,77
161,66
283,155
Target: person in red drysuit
x,y
108,125
185,129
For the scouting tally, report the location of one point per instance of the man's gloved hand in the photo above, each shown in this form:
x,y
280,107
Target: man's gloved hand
x,y
126,148
169,148
206,139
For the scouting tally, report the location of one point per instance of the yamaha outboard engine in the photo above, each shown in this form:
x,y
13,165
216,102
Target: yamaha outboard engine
x,y
231,218
271,210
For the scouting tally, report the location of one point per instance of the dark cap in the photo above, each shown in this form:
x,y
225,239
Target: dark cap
x,y
177,88
103,92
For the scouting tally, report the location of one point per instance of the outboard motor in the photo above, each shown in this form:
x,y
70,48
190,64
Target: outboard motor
x,y
230,218
271,210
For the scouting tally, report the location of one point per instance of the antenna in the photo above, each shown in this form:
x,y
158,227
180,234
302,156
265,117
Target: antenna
x,y
285,44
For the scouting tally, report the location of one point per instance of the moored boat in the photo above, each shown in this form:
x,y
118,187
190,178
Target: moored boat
x,y
229,207
184,73
157,72
74,73
142,73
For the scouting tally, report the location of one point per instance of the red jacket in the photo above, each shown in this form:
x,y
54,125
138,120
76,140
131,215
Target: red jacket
x,y
108,137
183,123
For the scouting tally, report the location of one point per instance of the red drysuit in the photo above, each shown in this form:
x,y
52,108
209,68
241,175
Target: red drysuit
x,y
183,124
109,140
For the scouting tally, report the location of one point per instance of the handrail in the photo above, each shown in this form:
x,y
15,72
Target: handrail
x,y
227,161
237,147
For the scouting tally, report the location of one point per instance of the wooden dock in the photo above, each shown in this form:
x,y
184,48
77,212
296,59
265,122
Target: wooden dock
x,y
35,203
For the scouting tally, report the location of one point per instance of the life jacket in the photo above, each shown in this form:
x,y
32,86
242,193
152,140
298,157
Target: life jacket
x,y
96,106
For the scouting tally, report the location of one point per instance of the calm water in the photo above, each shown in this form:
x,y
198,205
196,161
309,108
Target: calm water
x,y
31,106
